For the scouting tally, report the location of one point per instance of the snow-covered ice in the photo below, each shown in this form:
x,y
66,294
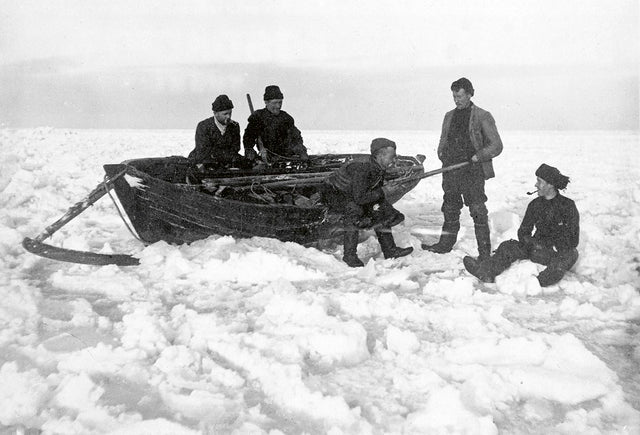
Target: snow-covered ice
x,y
257,336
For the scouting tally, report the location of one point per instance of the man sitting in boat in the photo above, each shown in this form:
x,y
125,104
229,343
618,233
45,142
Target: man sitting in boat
x,y
275,128
356,191
557,231
218,138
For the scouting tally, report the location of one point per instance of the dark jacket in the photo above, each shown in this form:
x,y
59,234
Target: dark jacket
x,y
556,222
214,147
278,133
483,134
361,182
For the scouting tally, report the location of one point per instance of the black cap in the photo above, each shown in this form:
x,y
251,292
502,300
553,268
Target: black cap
x,y
552,176
272,92
380,142
222,102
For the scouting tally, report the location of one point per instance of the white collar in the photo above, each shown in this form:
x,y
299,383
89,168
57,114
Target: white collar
x,y
221,127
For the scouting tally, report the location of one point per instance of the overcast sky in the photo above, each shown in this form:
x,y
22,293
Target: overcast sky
x,y
544,64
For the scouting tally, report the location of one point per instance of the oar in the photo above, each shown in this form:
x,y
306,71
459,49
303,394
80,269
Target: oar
x,y
36,246
261,148
320,179
79,207
289,183
252,179
431,173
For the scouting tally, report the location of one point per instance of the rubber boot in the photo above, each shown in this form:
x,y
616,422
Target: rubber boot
x,y
448,238
351,249
479,269
487,270
550,276
483,237
388,246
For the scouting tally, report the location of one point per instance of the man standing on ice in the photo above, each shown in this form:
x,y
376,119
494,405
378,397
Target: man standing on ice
x,y
356,191
275,128
469,134
557,231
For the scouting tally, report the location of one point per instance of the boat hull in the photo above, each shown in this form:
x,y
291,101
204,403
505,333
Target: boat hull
x,y
162,208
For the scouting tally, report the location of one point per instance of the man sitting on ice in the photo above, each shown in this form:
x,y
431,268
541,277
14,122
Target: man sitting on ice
x,y
356,191
557,229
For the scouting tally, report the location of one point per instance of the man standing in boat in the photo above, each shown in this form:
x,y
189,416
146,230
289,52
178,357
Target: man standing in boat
x,y
356,191
469,134
554,242
218,137
275,128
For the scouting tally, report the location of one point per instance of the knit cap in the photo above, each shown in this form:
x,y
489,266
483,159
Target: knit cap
x,y
272,92
381,142
222,102
552,176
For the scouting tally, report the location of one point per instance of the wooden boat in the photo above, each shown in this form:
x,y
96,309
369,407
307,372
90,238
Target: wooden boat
x,y
282,203
166,199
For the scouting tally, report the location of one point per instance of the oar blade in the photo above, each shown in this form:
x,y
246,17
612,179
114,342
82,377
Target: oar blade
x,y
73,256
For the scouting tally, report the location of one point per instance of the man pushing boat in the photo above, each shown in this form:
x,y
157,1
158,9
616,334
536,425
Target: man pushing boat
x,y
356,191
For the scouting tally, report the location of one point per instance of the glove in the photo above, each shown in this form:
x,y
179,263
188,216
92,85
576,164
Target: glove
x,y
299,151
304,156
534,245
250,153
364,222
528,242
264,154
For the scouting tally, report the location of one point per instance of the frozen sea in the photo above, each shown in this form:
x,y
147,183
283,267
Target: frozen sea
x,y
257,336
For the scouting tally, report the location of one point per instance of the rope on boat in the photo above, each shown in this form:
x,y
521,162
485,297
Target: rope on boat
x,y
292,158
126,224
256,194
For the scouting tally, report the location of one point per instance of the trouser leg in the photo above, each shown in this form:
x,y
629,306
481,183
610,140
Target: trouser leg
x,y
507,253
351,249
386,215
449,232
388,245
557,266
480,217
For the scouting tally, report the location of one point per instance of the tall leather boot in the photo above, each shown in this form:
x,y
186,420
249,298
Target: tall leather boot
x,y
550,276
448,238
557,267
483,237
480,269
351,249
388,245
487,270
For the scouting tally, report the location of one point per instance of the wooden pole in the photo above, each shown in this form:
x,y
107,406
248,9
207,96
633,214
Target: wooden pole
x,y
252,179
320,179
261,148
431,173
79,207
